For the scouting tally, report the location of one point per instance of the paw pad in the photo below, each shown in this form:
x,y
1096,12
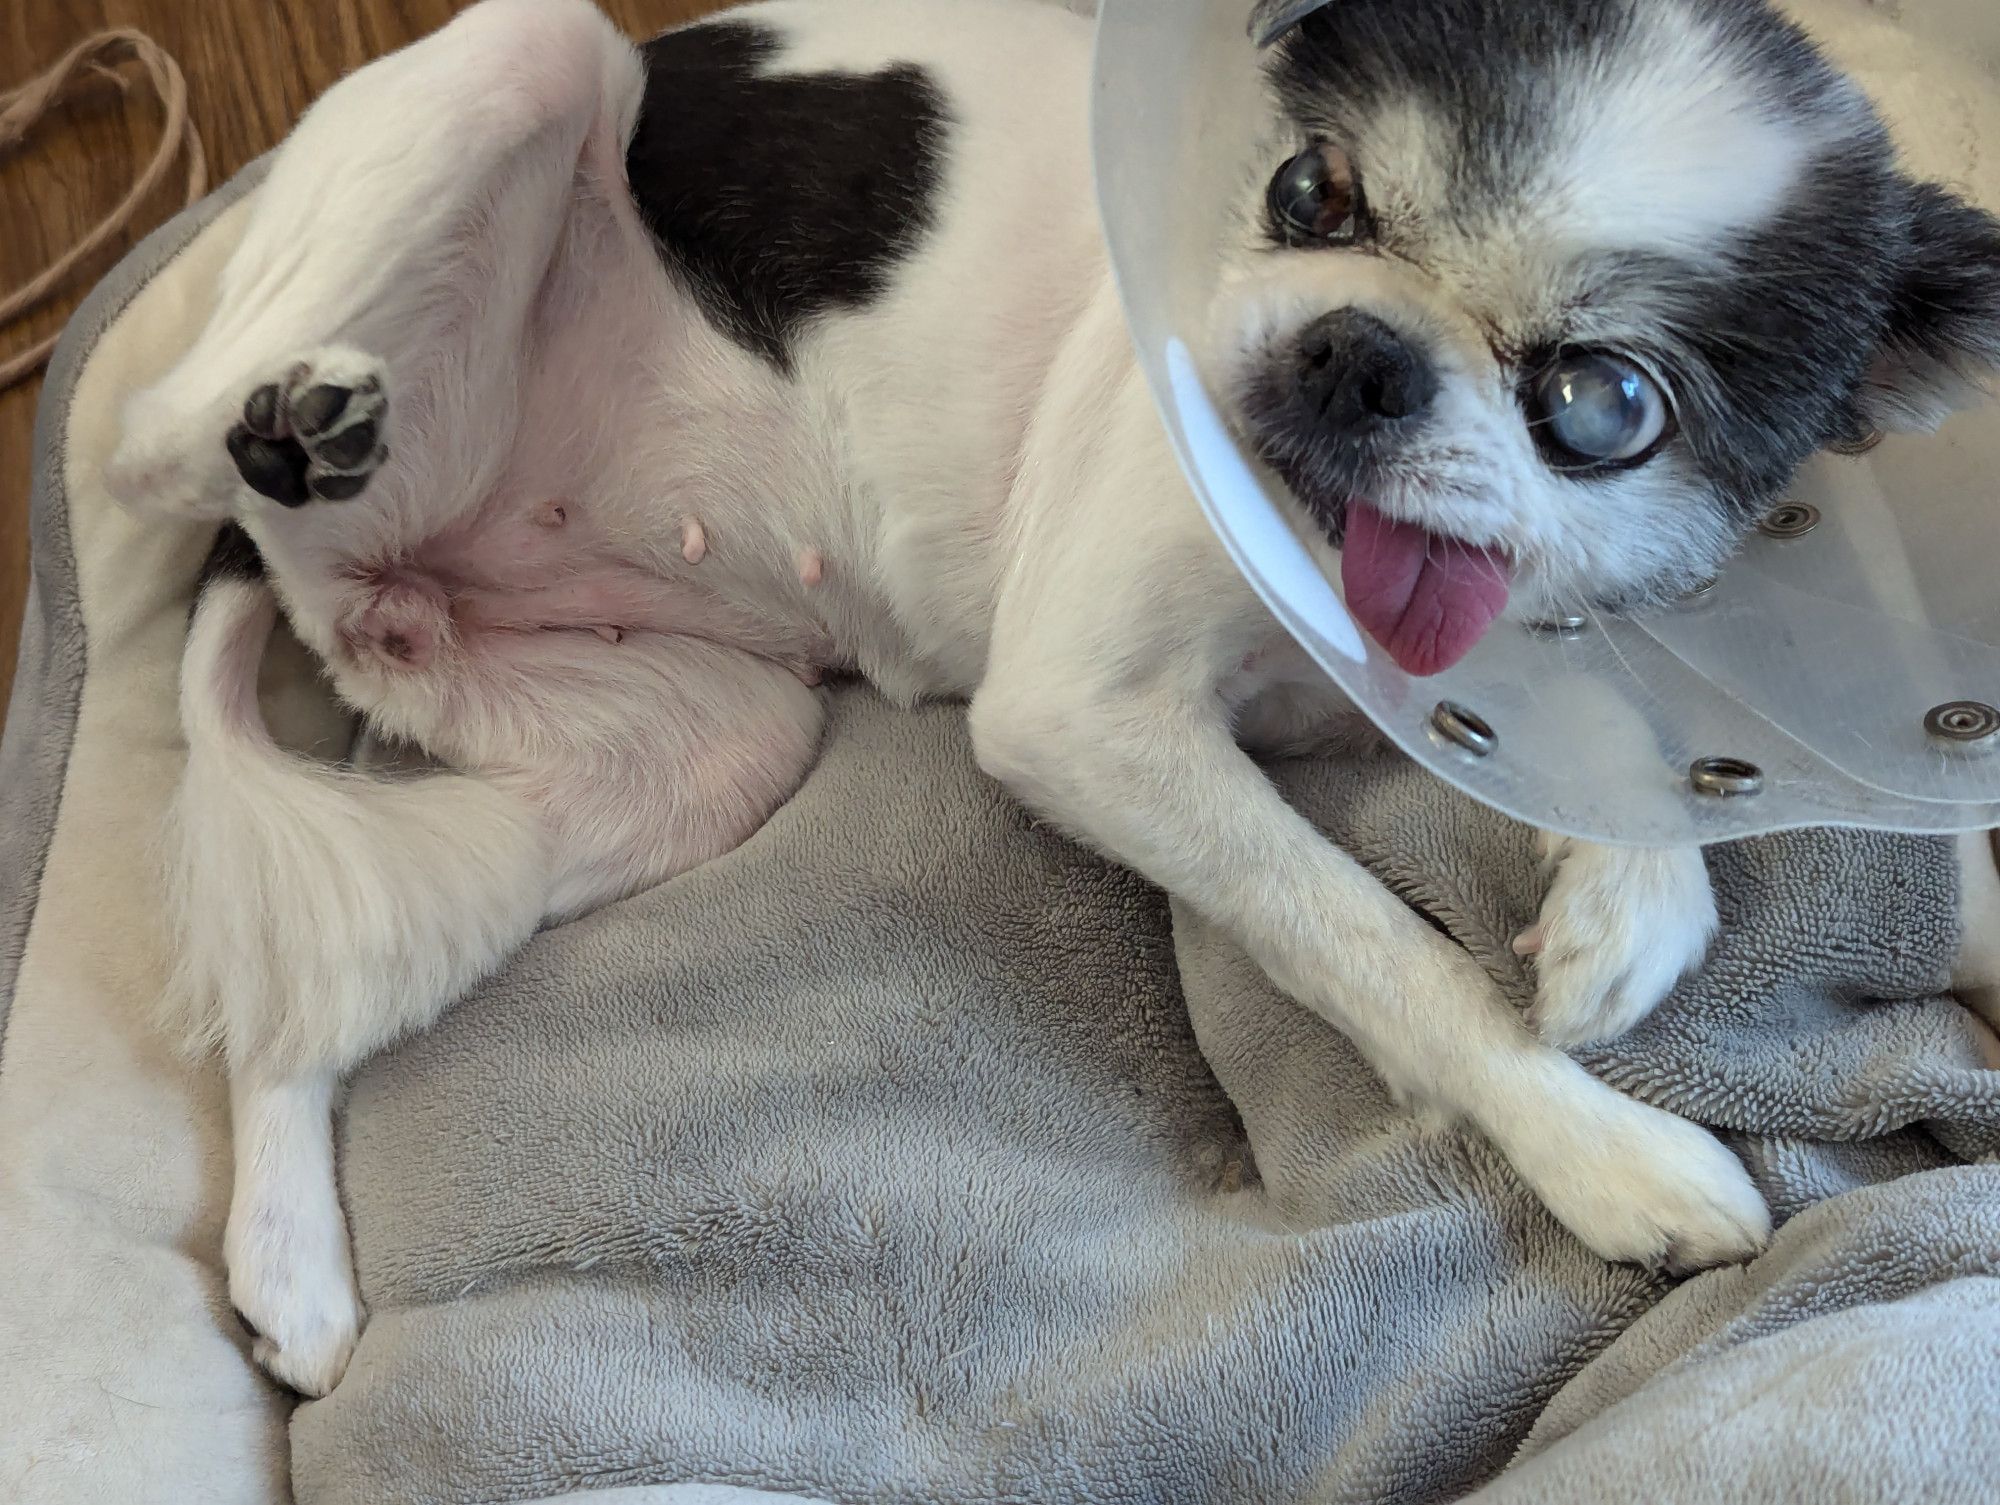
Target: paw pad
x,y
302,439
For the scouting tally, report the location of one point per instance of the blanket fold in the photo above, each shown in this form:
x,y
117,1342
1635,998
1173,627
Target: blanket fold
x,y
912,1153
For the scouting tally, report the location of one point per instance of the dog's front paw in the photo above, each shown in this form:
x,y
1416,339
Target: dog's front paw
x,y
1640,1186
315,433
1618,930
292,1283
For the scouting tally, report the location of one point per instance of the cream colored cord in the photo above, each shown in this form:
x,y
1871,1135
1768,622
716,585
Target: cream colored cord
x,y
21,108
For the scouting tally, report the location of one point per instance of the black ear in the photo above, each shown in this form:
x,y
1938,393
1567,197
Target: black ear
x,y
1942,345
1271,19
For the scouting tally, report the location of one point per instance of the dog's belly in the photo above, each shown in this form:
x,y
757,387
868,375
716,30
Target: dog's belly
x,y
549,560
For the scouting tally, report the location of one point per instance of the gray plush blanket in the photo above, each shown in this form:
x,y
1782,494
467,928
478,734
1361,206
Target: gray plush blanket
x,y
911,1153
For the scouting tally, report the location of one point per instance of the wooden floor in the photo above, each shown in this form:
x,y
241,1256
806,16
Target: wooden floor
x,y
251,66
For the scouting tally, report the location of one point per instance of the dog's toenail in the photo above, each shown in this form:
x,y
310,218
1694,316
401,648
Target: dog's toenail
x,y
812,567
260,413
318,407
694,541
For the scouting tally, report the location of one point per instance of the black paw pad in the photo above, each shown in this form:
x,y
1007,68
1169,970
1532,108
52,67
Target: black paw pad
x,y
275,468
302,440
349,448
314,409
261,413
332,486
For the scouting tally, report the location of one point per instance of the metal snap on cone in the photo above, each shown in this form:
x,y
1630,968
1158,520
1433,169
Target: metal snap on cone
x,y
1793,520
1464,728
1565,626
1725,778
1964,725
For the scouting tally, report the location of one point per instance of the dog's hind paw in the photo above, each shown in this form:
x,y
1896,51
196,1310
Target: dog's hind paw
x,y
1618,930
314,1359
317,432
292,1285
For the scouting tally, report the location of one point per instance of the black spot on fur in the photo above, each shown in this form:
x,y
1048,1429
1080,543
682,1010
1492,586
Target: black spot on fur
x,y
1366,53
1766,346
1944,319
777,198
233,556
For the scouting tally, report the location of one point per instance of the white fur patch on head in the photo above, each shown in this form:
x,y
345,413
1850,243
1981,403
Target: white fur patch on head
x,y
1668,145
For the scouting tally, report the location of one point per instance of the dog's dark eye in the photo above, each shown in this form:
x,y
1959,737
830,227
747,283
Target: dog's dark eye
x,y
1590,410
1316,199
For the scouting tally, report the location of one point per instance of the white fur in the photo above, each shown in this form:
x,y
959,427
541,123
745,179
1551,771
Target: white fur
x,y
290,1275
1670,149
1619,929
993,513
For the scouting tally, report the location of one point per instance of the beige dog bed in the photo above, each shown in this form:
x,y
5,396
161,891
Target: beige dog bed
x,y
1382,1316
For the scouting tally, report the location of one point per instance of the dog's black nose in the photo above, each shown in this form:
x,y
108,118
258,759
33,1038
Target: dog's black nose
x,y
1358,374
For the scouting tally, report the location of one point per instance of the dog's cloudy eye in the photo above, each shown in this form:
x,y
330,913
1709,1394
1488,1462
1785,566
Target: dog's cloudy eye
x,y
1316,198
1592,409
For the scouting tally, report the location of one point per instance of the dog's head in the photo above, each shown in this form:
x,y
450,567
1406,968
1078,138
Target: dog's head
x,y
1549,299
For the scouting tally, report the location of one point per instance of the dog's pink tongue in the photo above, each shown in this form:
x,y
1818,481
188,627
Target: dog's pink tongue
x,y
1425,599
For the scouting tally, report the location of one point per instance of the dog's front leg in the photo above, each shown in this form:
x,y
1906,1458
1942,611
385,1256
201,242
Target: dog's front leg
x,y
1100,710
1619,928
1154,779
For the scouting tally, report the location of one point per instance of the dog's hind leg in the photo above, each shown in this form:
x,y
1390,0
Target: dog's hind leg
x,y
641,753
323,914
291,1279
400,238
318,915
366,343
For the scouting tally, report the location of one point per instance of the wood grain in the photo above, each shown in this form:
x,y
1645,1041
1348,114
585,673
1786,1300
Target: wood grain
x,y
252,66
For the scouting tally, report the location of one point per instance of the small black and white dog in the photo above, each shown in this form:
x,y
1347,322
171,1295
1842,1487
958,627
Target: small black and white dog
x,y
583,401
